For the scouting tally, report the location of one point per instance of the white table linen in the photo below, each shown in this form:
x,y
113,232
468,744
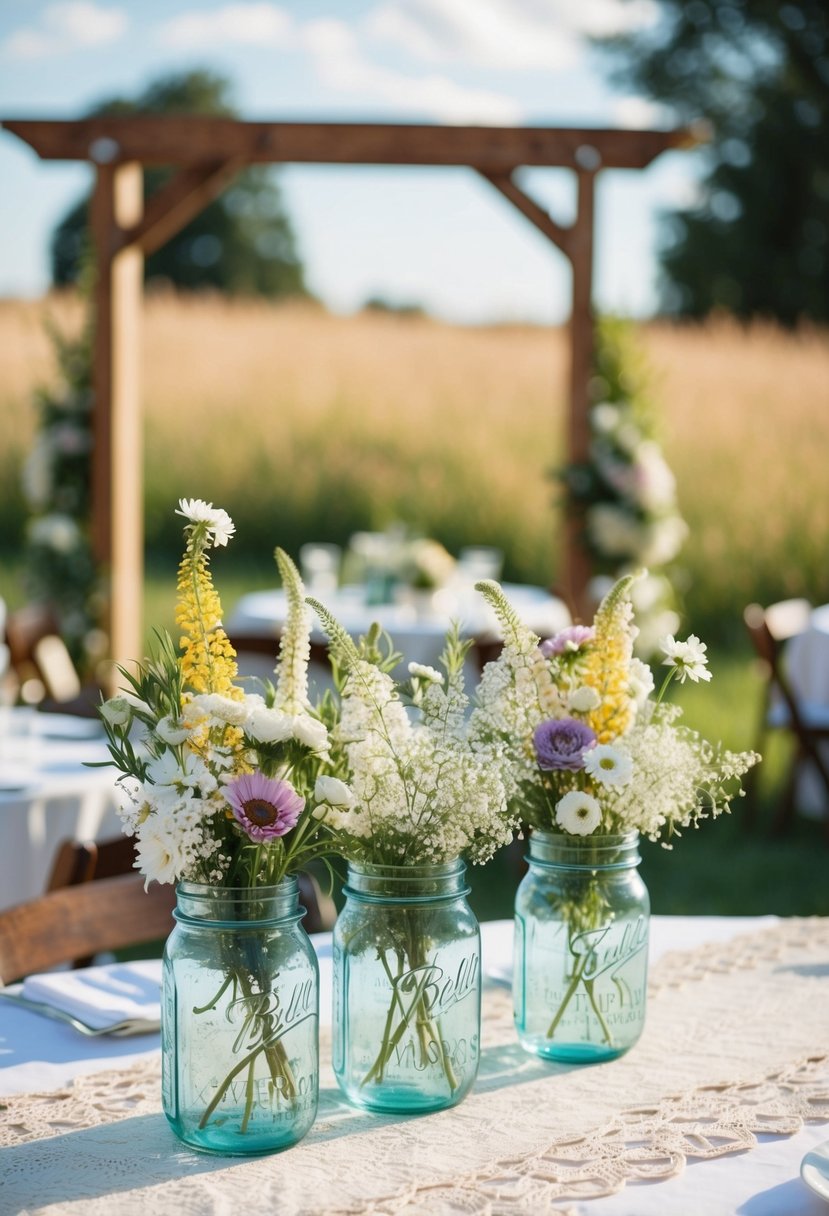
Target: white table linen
x,y
48,795
417,622
36,1054
807,664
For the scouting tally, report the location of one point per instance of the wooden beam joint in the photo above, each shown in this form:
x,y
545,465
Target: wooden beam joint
x,y
177,202
560,235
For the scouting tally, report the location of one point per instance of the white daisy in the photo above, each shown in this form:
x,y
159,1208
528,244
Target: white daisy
x,y
689,658
608,765
578,813
218,522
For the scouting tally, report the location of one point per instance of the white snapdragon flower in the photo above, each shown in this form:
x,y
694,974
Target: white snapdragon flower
x,y
688,657
171,732
219,524
578,813
268,725
333,792
582,700
608,765
422,671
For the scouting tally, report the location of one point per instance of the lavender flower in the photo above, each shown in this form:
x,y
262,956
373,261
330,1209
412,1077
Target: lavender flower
x,y
264,807
567,641
560,743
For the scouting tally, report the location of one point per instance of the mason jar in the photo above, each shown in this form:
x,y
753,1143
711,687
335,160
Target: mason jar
x,y
581,947
239,1019
407,988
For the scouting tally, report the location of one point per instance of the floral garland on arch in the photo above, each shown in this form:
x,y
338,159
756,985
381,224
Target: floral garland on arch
x,y
624,494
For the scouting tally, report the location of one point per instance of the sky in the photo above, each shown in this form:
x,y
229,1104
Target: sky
x,y
438,237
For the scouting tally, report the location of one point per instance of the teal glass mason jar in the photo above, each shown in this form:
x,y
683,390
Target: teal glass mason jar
x,y
407,988
239,1019
581,947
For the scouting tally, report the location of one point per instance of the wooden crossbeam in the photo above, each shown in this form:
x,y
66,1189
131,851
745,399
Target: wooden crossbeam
x,y
537,216
192,139
179,201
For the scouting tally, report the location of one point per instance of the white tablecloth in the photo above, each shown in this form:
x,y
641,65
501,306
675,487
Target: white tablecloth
x,y
47,795
37,1054
807,665
417,622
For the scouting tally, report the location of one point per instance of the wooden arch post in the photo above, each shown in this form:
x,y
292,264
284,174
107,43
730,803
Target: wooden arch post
x,y
205,153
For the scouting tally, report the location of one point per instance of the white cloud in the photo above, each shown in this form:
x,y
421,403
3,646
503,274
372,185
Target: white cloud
x,y
249,24
509,35
66,27
639,112
341,66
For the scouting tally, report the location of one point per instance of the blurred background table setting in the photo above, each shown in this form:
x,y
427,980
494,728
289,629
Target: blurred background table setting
x,y
411,586
48,794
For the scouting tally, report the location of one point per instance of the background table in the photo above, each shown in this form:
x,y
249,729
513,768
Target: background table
x,y
807,664
48,795
40,1054
417,622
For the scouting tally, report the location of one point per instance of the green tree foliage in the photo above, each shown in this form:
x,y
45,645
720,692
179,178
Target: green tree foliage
x,y
757,242
241,243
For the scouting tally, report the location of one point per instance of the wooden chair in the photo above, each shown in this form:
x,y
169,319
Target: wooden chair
x,y
769,629
82,920
78,862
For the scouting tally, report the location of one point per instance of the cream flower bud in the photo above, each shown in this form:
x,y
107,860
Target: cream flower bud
x,y
117,711
582,700
333,792
310,732
268,725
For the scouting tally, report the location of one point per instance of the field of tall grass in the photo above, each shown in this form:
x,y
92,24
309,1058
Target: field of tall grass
x,y
307,426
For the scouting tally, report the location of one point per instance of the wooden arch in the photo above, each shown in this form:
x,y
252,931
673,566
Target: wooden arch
x,y
206,153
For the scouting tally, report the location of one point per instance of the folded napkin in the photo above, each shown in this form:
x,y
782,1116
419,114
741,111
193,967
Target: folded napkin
x,y
102,996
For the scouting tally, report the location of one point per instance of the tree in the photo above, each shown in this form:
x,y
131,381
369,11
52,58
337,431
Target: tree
x,y
241,243
757,241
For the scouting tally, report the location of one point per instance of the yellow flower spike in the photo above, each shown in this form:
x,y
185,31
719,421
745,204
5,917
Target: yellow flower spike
x,y
607,663
208,662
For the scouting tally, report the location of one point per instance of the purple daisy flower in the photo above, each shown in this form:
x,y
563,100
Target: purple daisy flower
x,y
265,808
560,743
567,641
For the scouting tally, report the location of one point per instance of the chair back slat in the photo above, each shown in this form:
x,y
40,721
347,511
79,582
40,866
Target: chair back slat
x,y
82,920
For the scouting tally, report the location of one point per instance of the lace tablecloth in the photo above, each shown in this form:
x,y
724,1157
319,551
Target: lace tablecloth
x,y
736,1043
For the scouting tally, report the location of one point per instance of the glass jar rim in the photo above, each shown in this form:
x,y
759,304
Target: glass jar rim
x,y
562,850
423,883
208,904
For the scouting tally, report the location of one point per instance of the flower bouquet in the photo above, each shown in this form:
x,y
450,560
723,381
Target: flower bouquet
x,y
591,759
412,799
218,787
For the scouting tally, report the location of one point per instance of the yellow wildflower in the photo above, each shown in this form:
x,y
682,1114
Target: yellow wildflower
x,y
607,664
208,661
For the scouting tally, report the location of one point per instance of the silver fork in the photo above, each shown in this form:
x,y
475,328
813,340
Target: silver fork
x,y
121,1029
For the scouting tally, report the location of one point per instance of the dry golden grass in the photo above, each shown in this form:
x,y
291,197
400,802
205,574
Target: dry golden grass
x,y
306,425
